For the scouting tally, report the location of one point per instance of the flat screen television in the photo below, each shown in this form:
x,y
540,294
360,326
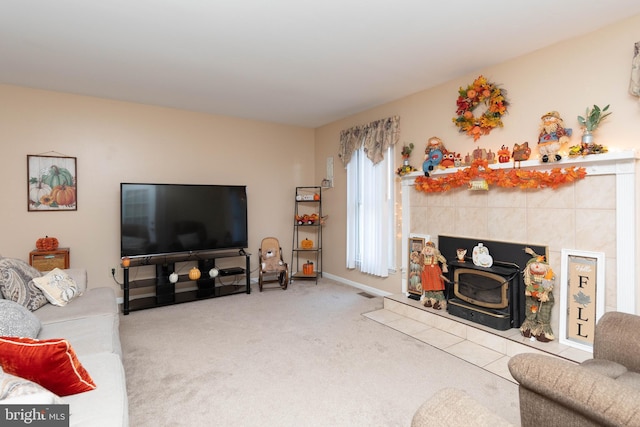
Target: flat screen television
x,y
159,219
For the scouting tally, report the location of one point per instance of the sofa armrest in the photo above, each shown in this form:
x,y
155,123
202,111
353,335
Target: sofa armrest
x,y
615,340
571,389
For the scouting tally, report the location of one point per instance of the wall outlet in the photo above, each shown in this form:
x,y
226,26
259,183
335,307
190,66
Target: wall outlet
x,y
115,273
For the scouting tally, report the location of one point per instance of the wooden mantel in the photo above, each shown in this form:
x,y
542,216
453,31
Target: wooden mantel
x,y
622,164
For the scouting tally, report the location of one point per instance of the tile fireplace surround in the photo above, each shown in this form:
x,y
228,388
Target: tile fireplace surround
x,y
597,213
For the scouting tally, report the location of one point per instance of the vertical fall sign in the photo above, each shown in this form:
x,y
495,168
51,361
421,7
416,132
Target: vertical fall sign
x,y
581,298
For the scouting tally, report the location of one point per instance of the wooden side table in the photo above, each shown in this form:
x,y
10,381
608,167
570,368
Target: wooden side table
x,y
48,260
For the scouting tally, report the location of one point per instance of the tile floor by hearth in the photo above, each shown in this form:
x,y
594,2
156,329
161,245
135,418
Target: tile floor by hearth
x,y
487,348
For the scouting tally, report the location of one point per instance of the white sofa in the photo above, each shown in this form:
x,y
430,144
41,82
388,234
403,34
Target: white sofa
x,y
90,323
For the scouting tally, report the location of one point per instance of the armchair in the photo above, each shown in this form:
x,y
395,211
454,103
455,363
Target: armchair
x,y
604,390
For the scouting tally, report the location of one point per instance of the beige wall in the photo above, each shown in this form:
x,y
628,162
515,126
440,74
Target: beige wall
x,y
123,142
567,77
117,141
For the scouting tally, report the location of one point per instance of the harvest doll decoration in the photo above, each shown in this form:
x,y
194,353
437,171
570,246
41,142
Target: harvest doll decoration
x,y
553,135
539,280
432,281
433,154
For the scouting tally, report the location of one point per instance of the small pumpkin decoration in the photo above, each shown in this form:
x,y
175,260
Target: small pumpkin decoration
x,y
194,273
306,244
47,243
316,197
307,268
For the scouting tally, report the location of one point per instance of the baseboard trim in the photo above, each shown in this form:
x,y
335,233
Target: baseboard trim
x,y
366,288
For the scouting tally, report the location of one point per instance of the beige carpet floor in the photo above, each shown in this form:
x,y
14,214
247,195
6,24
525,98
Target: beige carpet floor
x,y
304,356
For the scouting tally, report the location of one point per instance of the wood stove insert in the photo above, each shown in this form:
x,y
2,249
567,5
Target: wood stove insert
x,y
487,295
491,296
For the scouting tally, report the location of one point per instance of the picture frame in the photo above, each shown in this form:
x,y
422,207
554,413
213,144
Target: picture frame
x,y
582,286
51,183
414,271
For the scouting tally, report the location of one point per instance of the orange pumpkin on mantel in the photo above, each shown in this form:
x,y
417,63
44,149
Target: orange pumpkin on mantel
x,y
47,243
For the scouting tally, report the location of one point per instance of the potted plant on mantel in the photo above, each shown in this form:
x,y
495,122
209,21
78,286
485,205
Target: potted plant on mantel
x,y
591,121
406,167
406,152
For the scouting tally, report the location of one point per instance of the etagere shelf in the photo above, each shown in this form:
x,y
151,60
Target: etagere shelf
x,y
306,256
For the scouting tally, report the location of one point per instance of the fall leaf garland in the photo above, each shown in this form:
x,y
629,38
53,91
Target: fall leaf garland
x,y
506,178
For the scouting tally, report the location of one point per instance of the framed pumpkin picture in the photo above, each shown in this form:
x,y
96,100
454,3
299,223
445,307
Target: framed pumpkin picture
x,y
51,183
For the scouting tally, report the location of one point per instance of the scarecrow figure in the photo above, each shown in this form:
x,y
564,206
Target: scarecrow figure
x,y
432,280
539,280
553,135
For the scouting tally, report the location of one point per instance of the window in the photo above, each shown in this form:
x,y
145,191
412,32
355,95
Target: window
x,y
370,213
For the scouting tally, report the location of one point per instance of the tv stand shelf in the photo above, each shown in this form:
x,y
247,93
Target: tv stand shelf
x,y
165,292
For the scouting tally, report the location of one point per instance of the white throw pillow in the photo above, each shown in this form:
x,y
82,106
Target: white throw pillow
x,y
57,286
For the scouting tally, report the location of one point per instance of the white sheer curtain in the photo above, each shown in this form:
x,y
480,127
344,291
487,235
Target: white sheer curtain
x,y
367,153
370,213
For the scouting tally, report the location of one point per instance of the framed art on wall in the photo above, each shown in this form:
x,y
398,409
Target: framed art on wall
x,y
581,297
51,183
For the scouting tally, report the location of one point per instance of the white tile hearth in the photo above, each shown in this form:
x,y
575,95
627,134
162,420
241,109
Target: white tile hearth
x,y
500,368
408,326
487,348
474,353
438,338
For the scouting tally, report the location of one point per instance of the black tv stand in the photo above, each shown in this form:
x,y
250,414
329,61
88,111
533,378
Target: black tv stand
x,y
165,292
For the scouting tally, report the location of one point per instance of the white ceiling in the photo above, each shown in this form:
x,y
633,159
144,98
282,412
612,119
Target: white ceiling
x,y
297,62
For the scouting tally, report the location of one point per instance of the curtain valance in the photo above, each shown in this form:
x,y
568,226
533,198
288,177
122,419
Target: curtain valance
x,y
376,137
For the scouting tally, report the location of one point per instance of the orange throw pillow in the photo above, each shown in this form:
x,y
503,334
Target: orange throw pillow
x,y
51,363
